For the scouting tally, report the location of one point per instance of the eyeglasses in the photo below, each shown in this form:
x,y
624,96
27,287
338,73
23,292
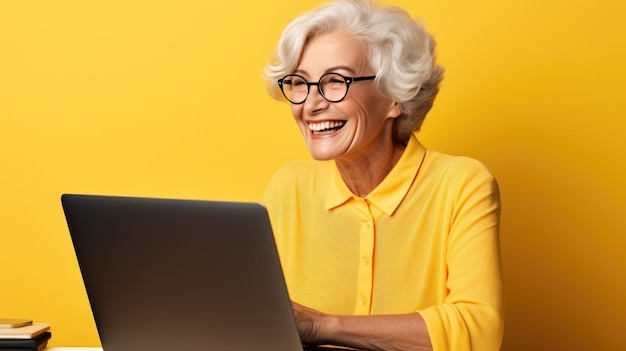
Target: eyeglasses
x,y
332,86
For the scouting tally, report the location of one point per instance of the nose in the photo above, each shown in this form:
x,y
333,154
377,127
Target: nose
x,y
315,102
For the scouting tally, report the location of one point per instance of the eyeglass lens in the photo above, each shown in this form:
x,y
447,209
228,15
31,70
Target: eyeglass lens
x,y
332,86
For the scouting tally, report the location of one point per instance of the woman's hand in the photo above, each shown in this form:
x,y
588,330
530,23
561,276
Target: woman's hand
x,y
405,332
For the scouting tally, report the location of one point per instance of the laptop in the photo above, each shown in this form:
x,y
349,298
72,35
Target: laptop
x,y
166,274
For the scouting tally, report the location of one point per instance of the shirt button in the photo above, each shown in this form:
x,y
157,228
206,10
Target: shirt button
x,y
368,224
363,302
366,261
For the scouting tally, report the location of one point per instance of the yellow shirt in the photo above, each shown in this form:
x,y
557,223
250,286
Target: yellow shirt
x,y
425,240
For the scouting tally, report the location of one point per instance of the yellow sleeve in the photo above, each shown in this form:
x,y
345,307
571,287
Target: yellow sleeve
x,y
472,316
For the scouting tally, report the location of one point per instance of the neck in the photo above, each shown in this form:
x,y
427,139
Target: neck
x,y
366,171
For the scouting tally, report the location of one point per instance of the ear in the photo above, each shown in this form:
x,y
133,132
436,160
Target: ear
x,y
395,110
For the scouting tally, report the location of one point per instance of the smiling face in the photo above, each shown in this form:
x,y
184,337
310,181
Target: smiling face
x,y
358,126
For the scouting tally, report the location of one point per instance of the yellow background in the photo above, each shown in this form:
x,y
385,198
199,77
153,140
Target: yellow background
x,y
165,99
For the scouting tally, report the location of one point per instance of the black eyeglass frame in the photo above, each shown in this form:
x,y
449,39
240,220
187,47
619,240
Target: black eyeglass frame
x,y
348,81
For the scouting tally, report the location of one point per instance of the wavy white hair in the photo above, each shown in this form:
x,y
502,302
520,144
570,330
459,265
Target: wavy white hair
x,y
399,49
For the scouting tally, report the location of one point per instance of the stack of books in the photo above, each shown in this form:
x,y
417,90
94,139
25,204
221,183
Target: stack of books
x,y
23,335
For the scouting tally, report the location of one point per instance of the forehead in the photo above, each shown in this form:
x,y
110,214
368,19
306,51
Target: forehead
x,y
331,51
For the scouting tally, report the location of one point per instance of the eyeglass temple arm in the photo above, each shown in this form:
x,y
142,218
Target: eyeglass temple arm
x,y
363,78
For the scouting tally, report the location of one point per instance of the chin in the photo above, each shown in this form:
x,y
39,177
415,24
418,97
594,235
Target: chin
x,y
325,154
321,156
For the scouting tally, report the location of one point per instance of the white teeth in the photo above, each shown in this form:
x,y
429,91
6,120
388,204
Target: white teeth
x,y
316,127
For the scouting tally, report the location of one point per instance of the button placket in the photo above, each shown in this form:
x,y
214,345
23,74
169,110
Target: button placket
x,y
366,272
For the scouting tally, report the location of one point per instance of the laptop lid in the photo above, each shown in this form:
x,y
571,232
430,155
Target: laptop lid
x,y
164,274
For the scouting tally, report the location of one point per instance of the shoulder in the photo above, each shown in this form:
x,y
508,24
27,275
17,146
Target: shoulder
x,y
456,176
450,166
300,177
302,172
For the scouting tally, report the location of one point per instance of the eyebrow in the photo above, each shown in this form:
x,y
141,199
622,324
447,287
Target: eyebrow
x,y
331,69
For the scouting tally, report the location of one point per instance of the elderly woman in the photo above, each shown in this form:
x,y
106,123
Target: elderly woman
x,y
385,245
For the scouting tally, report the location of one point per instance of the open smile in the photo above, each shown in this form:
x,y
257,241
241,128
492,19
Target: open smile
x,y
327,127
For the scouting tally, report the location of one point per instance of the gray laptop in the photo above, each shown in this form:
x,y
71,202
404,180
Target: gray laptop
x,y
164,274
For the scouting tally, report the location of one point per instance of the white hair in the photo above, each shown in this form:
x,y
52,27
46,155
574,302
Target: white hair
x,y
399,49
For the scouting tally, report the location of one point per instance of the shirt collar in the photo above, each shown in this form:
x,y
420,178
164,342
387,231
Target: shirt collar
x,y
390,192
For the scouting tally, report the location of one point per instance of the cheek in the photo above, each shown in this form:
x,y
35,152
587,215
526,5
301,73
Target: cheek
x,y
296,111
357,108
374,105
